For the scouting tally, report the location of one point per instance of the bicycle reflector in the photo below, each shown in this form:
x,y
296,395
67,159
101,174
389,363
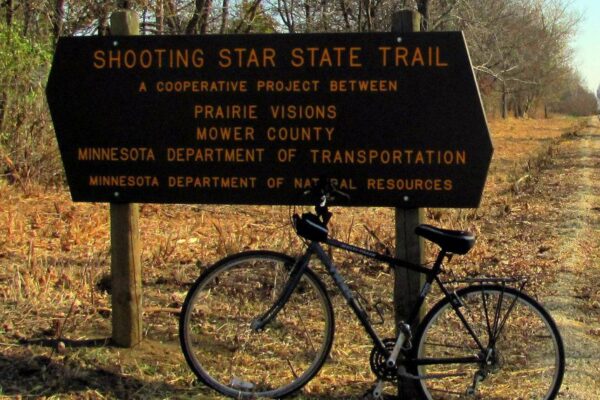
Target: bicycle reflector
x,y
311,227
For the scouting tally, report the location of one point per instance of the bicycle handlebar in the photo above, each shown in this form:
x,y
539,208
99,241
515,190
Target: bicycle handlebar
x,y
325,192
314,227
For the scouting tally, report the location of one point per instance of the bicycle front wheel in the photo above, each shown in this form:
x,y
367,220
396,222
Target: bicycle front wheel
x,y
514,350
227,355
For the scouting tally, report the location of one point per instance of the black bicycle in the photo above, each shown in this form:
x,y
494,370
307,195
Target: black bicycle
x,y
261,324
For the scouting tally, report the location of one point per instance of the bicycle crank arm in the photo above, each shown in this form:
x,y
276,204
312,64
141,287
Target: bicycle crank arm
x,y
378,391
402,337
391,361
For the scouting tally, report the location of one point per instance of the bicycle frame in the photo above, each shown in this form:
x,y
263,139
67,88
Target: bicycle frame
x,y
431,275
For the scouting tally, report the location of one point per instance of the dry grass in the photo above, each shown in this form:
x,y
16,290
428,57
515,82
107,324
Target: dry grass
x,y
54,253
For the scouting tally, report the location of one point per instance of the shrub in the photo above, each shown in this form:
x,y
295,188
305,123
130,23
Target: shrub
x,y
28,149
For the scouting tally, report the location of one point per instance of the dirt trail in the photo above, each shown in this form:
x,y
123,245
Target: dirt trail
x,y
571,193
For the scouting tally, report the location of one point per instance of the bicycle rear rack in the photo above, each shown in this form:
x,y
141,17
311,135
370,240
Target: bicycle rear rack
x,y
519,282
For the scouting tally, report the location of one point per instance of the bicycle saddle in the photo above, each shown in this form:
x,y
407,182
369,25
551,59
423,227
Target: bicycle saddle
x,y
457,242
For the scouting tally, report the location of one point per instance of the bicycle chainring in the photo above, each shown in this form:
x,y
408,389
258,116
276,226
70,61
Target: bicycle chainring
x,y
378,362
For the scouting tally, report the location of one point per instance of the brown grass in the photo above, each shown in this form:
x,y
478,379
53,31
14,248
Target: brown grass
x,y
54,253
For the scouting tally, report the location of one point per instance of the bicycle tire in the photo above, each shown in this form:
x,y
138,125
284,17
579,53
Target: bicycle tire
x,y
527,361
227,355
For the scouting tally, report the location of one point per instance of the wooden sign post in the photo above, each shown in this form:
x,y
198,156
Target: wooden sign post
x,y
408,245
126,271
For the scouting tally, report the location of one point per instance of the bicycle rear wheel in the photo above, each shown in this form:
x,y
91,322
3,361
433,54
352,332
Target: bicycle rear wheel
x,y
522,355
227,355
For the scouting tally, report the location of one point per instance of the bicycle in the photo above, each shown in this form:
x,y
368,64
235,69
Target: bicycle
x,y
261,324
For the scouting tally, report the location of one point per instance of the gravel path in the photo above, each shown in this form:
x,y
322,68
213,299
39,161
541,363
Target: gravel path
x,y
572,195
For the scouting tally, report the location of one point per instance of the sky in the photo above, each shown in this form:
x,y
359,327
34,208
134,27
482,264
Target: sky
x,y
587,43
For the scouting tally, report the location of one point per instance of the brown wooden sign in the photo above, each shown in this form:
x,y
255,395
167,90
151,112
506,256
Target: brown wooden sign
x,y
255,119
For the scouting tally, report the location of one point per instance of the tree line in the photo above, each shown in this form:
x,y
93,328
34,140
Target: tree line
x,y
520,50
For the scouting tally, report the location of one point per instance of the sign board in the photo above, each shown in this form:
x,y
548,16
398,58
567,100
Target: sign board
x,y
255,119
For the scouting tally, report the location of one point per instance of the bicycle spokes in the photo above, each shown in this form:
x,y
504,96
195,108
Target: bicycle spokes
x,y
522,358
228,354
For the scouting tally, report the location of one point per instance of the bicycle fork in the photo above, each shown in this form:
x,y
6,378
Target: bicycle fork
x,y
298,269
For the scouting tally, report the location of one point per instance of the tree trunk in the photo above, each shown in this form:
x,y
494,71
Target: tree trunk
x,y
3,104
367,6
26,18
9,12
3,93
423,8
103,26
160,17
504,101
192,25
224,16
58,20
248,17
286,15
344,8
173,20
251,15
307,16
204,15
517,107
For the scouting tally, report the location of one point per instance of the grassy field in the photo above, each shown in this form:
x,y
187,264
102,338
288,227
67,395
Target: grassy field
x,y
54,260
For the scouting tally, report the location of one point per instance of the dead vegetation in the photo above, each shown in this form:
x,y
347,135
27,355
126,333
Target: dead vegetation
x,y
54,259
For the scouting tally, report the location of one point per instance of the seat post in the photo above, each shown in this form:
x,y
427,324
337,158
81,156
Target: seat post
x,y
437,266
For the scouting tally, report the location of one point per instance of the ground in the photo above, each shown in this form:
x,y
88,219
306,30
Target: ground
x,y
540,217
572,199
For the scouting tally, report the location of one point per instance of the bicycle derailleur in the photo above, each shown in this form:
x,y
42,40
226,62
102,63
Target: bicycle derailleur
x,y
492,363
